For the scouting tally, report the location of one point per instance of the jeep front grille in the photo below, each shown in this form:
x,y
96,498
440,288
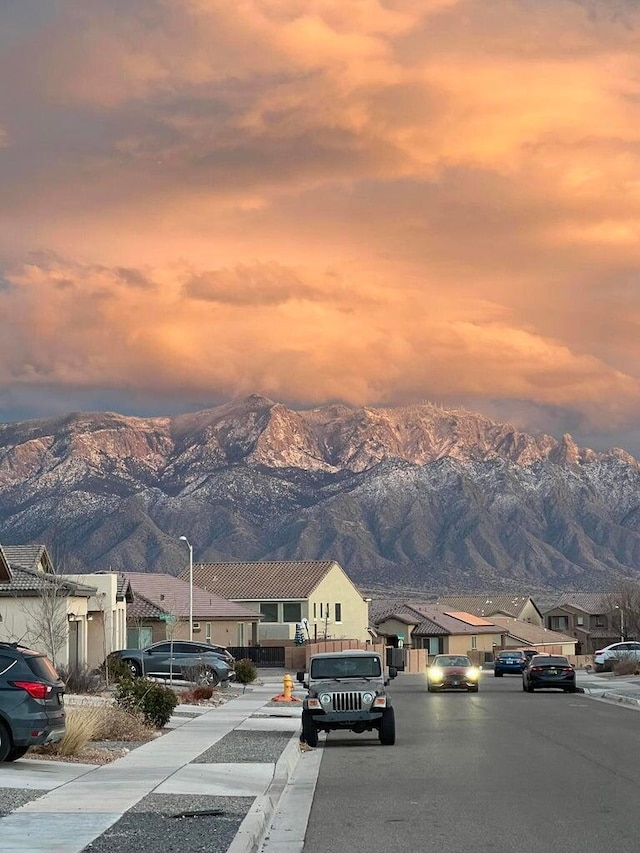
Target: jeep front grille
x,y
347,701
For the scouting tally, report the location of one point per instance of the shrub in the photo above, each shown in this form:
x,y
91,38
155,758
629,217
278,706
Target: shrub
x,y
82,680
115,669
82,723
120,725
246,671
198,694
154,701
626,665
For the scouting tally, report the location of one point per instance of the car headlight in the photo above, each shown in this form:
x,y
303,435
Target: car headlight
x,y
325,698
473,672
367,698
435,673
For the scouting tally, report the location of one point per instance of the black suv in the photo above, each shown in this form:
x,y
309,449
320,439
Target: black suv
x,y
31,701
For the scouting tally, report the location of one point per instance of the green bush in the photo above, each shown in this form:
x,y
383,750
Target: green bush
x,y
154,701
246,671
115,670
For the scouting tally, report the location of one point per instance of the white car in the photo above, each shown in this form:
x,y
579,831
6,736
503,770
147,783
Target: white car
x,y
604,659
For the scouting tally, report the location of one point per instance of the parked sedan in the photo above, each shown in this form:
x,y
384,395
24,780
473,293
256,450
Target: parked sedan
x,y
31,701
182,660
513,661
452,672
545,671
604,659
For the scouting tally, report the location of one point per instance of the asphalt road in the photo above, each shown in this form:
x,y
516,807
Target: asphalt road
x,y
500,771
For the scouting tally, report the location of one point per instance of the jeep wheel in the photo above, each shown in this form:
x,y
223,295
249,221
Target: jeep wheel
x,y
387,730
309,730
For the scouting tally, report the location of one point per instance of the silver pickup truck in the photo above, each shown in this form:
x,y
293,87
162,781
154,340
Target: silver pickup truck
x,y
347,690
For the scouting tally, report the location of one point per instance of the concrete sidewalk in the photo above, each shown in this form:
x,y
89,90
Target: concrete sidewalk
x,y
624,690
191,761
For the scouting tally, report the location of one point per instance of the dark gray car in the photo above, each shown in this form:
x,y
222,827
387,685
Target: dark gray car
x,y
181,660
31,701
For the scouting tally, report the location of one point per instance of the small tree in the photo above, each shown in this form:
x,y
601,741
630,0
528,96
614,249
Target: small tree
x,y
622,605
47,619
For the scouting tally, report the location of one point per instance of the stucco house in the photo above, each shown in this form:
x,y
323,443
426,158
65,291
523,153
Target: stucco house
x,y
584,616
39,608
521,607
160,610
106,613
520,634
287,593
437,629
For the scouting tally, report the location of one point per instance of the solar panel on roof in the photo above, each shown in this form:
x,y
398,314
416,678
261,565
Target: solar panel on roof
x,y
468,618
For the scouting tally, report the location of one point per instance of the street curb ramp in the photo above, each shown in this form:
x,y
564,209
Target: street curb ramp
x,y
255,825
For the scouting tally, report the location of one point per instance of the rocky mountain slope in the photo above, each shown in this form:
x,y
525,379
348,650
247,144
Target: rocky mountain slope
x,y
417,497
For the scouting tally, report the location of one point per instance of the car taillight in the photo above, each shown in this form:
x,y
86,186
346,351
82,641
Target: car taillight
x,y
537,669
35,689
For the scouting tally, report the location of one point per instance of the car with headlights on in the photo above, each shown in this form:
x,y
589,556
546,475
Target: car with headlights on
x,y
347,691
509,661
547,671
605,659
452,672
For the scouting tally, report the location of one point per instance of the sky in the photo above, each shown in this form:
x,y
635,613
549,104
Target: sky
x,y
377,202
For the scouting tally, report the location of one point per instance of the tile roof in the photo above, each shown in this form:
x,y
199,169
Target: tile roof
x,y
142,608
589,602
262,581
123,588
31,582
533,635
430,619
171,595
486,605
27,556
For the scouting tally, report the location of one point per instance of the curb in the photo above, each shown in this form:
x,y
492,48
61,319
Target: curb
x,y
620,699
255,825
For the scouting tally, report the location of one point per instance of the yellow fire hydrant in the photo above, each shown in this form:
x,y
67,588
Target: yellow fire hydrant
x,y
287,683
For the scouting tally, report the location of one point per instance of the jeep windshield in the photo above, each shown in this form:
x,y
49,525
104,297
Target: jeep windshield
x,y
346,667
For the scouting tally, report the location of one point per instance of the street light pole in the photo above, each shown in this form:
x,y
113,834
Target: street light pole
x,y
190,547
618,607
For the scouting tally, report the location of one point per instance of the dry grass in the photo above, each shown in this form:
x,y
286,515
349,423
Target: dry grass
x,y
81,727
120,725
627,665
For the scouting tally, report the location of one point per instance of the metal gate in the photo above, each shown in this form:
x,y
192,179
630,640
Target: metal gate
x,y
260,655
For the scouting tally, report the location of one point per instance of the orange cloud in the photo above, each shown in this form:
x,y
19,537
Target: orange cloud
x,y
371,201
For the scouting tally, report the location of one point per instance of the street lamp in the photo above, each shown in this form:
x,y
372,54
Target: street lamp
x,y
617,606
190,547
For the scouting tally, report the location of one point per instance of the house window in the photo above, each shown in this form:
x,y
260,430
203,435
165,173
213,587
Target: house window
x,y
291,611
269,610
207,632
315,610
579,621
559,623
474,642
601,621
338,612
321,613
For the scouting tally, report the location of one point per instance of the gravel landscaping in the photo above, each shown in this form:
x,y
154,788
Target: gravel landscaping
x,y
13,798
250,746
169,822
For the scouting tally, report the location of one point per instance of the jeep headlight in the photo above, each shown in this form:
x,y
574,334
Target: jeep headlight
x,y
325,698
367,698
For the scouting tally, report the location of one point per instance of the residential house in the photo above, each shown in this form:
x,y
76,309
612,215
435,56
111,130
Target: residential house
x,y
289,592
37,607
160,609
435,628
521,607
520,634
585,616
106,613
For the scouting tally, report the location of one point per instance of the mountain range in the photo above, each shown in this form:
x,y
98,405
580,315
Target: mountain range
x,y
409,499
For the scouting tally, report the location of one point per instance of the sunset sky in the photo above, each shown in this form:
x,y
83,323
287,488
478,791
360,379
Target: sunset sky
x,y
377,202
